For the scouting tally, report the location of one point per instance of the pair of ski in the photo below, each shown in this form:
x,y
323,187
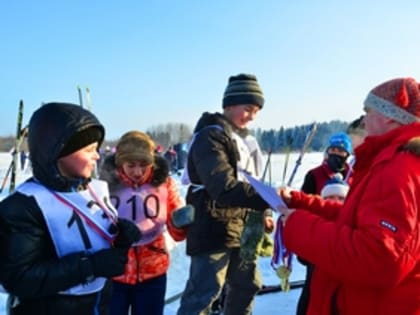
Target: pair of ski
x,y
308,139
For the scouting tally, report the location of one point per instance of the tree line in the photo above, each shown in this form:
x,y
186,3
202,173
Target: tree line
x,y
274,140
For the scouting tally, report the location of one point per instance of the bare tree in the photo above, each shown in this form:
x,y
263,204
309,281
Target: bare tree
x,y
170,134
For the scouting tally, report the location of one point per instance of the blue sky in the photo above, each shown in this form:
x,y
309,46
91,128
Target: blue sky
x,y
153,62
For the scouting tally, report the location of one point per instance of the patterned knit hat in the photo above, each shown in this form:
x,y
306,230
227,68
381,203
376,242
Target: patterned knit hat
x,y
340,140
134,146
398,99
335,187
243,89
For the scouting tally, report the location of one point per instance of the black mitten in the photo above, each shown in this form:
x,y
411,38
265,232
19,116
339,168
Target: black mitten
x,y
128,234
109,262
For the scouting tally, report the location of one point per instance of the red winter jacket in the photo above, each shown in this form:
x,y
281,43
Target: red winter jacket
x,y
366,251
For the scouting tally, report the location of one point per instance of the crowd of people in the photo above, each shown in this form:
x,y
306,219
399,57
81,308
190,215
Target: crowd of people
x,y
75,244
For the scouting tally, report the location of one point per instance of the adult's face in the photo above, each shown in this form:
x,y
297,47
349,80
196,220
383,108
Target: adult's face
x,y
377,124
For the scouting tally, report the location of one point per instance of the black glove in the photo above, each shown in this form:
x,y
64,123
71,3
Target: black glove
x,y
128,234
109,262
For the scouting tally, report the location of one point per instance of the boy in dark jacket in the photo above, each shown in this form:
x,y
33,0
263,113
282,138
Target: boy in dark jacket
x,y
60,238
220,149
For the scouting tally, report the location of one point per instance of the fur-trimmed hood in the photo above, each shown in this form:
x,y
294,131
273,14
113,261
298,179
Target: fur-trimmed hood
x,y
108,171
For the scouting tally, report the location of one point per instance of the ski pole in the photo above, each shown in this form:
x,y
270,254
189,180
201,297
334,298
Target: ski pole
x,y
267,165
6,176
309,136
88,99
79,90
23,134
289,142
17,145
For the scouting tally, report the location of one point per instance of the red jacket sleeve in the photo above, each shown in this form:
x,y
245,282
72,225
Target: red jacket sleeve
x,y
328,209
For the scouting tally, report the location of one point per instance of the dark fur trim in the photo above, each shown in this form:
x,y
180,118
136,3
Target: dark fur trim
x,y
413,146
161,171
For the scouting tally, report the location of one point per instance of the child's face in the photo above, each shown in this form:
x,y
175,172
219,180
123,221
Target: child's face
x,y
241,115
136,170
79,164
335,197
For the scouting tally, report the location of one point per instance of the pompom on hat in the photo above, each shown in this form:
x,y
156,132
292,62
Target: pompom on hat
x,y
397,99
335,187
243,89
134,146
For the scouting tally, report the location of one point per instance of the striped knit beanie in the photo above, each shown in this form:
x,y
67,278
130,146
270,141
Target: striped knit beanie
x,y
243,89
397,99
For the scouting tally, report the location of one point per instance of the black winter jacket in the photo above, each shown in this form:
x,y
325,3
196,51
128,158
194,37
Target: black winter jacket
x,y
221,206
29,266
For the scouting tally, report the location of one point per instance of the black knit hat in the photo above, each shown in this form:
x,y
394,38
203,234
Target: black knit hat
x,y
243,89
82,139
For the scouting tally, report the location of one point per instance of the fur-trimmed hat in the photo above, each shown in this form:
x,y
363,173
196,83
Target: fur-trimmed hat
x,y
398,99
81,139
335,187
134,146
243,89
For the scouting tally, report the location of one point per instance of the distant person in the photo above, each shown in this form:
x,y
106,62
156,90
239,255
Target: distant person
x,y
103,154
221,147
335,189
356,132
144,193
23,157
366,251
159,149
59,238
181,154
171,158
338,150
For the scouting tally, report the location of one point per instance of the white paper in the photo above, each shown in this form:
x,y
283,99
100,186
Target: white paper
x,y
268,193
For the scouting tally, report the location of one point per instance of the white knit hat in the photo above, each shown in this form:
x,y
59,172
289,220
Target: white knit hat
x,y
335,187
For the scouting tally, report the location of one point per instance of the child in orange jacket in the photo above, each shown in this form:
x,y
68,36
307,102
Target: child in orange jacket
x,y
142,190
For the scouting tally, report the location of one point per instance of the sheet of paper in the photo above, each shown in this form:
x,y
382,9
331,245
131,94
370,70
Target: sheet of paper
x,y
268,193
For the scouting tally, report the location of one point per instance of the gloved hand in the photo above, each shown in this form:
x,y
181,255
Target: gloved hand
x,y
265,246
184,216
109,262
128,233
251,235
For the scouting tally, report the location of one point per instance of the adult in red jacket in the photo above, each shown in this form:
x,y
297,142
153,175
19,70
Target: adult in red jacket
x,y
366,251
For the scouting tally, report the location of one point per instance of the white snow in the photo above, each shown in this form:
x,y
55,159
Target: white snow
x,y
271,303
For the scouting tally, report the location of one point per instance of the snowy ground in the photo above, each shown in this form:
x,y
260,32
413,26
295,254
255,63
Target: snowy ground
x,y
272,303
